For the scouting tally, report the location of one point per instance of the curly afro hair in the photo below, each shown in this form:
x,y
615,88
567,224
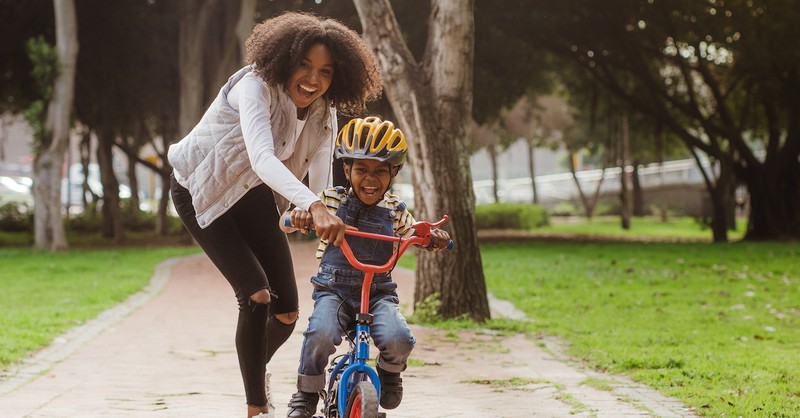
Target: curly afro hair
x,y
278,45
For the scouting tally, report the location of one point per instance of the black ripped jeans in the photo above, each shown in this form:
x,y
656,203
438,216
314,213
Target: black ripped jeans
x,y
248,247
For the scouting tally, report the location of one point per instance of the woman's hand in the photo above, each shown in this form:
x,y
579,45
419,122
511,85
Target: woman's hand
x,y
300,219
328,226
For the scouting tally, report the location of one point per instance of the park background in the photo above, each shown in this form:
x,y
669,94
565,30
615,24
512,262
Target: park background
x,y
686,111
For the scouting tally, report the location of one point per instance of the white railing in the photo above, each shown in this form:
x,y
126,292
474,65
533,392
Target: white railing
x,y
561,186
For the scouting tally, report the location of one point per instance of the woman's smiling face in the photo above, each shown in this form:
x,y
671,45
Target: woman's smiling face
x,y
370,179
312,78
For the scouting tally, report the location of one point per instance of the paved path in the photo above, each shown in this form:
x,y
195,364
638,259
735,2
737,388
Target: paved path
x,y
168,352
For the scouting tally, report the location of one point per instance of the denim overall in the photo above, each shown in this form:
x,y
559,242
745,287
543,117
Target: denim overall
x,y
337,294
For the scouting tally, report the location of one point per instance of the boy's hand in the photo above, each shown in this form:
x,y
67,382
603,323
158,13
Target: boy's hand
x,y
441,239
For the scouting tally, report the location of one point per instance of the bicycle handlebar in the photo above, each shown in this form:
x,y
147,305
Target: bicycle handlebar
x,y
422,236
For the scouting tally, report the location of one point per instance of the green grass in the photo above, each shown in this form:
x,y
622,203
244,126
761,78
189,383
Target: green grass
x,y
717,326
44,294
714,325
677,228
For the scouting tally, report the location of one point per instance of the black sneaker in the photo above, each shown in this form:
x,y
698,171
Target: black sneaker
x,y
391,389
303,405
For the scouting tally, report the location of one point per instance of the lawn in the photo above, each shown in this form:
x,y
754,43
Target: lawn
x,y
717,326
642,228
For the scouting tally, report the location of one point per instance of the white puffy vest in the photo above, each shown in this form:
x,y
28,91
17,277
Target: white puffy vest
x,y
212,162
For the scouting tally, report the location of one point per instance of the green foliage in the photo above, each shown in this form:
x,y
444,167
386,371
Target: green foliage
x,y
565,208
44,71
648,228
713,325
511,216
87,221
133,220
608,207
36,116
44,58
16,217
427,310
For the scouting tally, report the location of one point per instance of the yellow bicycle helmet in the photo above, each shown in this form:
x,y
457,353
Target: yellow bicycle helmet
x,y
373,139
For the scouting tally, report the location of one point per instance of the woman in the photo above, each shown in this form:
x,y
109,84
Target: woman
x,y
271,124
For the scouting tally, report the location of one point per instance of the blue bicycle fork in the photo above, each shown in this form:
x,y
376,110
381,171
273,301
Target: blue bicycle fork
x,y
358,363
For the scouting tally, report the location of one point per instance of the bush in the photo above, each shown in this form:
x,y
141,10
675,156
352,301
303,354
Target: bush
x,y
87,221
608,208
16,217
90,220
134,219
565,208
511,216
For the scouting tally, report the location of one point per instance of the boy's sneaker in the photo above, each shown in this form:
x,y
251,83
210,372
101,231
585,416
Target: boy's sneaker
x,y
303,405
391,389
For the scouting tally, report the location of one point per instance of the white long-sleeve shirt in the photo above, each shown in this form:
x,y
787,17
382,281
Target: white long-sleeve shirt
x,y
249,98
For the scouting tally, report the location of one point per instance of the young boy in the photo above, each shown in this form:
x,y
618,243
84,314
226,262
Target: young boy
x,y
373,151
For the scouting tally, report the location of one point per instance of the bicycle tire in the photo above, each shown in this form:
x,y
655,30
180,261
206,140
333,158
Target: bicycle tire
x,y
362,402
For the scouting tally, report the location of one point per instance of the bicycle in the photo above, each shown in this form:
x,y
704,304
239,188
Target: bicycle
x,y
353,385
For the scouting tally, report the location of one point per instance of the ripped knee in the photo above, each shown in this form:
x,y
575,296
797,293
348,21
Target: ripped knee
x,y
261,296
288,318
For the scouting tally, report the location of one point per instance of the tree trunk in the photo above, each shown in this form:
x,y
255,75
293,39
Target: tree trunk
x,y
49,231
774,202
4,121
133,182
624,193
162,219
722,200
532,170
638,193
433,101
112,215
492,149
48,222
164,171
588,203
84,149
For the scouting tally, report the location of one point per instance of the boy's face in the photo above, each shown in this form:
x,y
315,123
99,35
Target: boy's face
x,y
370,179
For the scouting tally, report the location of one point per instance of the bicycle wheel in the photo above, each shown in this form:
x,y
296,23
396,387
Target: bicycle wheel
x,y
363,401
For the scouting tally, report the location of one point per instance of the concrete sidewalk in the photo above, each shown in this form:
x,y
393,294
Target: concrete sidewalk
x,y
169,352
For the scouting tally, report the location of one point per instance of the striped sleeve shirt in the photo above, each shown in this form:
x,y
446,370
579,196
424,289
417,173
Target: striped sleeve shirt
x,y
403,220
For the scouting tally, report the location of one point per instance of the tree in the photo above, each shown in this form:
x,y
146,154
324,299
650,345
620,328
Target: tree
x,y
488,136
507,66
532,119
211,48
22,21
122,64
432,100
720,75
47,165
